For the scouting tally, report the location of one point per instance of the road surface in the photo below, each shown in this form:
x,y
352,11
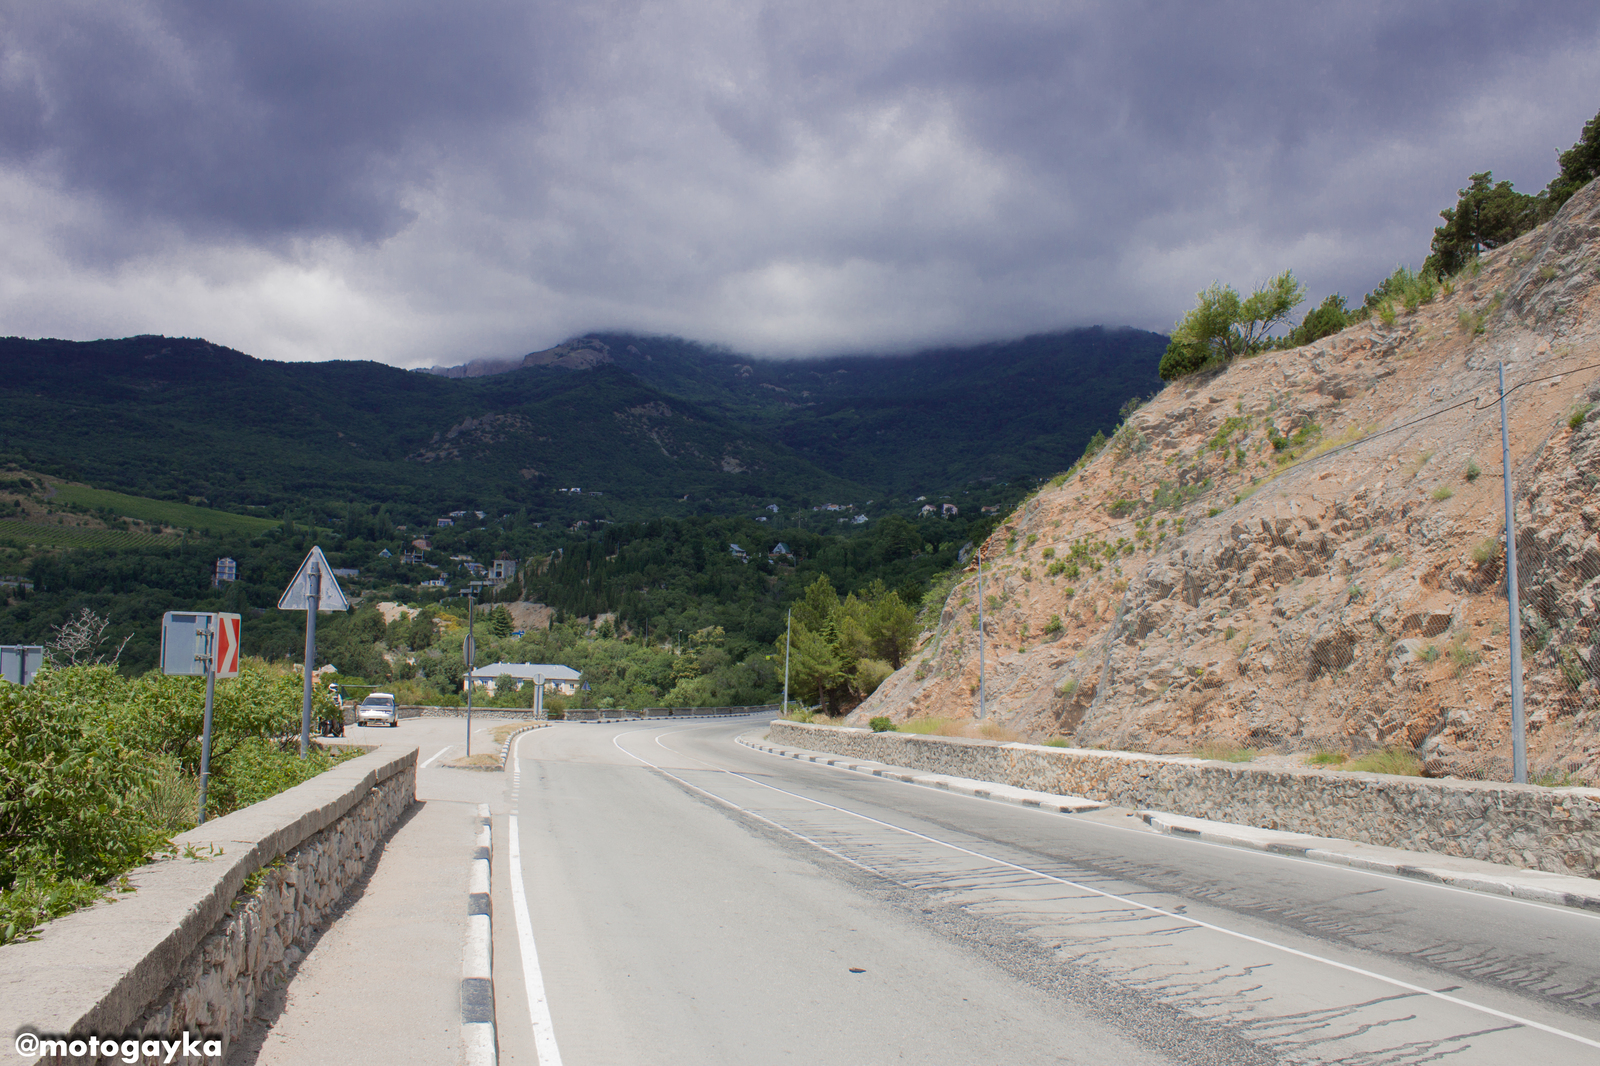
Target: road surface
x,y
689,900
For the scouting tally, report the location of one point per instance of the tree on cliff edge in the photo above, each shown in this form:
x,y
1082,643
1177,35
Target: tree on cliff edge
x,y
1223,325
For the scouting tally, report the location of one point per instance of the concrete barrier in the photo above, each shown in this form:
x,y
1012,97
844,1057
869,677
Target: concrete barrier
x,y
1536,828
206,934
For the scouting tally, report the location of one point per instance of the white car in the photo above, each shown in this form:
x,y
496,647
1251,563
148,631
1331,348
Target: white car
x,y
378,707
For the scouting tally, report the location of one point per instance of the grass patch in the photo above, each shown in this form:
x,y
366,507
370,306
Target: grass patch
x,y
476,760
1328,758
43,535
1221,751
1057,742
165,512
501,732
1394,761
1443,493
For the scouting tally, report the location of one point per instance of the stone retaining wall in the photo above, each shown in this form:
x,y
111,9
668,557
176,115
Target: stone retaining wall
x,y
207,935
1557,830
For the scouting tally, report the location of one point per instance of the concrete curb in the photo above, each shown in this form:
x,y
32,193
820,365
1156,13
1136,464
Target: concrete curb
x,y
1022,797
477,959
505,752
1471,875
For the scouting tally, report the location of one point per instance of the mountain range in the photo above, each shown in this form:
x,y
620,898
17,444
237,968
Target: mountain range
x,y
643,425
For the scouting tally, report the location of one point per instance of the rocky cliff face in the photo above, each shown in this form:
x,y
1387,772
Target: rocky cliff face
x,y
1303,552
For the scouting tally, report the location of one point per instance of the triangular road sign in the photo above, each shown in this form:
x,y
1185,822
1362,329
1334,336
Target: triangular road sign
x,y
297,597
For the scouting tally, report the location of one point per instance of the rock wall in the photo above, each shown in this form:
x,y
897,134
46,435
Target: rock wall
x,y
205,935
1556,830
1303,551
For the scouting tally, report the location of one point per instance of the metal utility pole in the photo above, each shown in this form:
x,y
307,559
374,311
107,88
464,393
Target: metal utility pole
x,y
314,602
981,693
1519,740
209,657
469,652
788,629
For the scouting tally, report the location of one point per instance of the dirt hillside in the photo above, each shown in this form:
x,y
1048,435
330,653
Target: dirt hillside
x,y
1303,552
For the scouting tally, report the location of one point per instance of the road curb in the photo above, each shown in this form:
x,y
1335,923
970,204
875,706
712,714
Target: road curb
x,y
477,959
1021,797
1472,875
504,753
1558,889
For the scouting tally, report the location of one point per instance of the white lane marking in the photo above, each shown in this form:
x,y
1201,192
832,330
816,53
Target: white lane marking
x,y
544,1033
1410,882
436,754
1137,904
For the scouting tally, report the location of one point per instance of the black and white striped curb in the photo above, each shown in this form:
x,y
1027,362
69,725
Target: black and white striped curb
x,y
477,963
1022,797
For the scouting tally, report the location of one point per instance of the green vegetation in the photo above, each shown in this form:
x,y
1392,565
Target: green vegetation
x,y
1393,761
1442,493
1489,214
162,512
881,724
1223,326
97,771
1328,758
843,649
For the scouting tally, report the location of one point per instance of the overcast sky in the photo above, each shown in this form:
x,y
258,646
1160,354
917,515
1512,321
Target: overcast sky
x,y
428,183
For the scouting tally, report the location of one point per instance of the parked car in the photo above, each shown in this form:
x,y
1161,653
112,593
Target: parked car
x,y
376,708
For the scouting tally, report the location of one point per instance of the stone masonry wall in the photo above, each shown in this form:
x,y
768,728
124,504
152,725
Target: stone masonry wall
x,y
205,935
1556,830
252,950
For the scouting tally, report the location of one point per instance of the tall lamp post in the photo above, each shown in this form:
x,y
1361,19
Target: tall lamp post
x,y
469,652
788,629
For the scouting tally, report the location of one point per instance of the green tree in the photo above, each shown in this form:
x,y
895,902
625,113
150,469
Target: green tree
x,y
1324,320
1223,326
1580,165
500,621
1487,215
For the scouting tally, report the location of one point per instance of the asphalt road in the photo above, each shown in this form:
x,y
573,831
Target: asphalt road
x,y
689,900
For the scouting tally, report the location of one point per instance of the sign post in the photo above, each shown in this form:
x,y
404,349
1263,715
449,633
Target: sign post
x,y
309,592
469,652
195,644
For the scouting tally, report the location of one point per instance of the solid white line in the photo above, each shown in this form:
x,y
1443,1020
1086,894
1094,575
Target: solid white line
x,y
436,754
1392,981
544,1033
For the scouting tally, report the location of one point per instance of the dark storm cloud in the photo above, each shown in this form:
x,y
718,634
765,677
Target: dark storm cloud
x,y
416,182
261,118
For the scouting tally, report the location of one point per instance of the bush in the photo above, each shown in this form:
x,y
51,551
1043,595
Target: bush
x,y
1394,761
881,725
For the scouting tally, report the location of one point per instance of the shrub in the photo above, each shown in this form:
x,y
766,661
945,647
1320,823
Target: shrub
x,y
1054,626
1442,493
1579,413
1394,761
881,725
1473,470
